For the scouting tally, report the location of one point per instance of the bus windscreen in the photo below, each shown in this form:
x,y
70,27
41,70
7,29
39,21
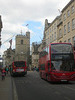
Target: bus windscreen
x,y
19,64
61,48
62,58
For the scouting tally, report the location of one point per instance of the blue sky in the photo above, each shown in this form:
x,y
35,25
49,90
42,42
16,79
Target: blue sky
x,y
37,28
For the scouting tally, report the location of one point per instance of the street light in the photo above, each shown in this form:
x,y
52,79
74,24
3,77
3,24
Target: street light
x,y
0,29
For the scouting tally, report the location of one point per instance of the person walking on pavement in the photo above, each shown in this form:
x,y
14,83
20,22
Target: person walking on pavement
x,y
7,69
3,74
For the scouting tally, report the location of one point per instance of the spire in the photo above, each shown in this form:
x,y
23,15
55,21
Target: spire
x,y
21,32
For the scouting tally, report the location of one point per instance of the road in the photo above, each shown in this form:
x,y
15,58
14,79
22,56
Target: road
x,y
32,87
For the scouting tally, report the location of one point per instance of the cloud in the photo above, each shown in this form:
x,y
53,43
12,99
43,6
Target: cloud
x,y
16,13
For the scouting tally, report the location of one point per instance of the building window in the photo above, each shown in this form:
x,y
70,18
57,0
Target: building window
x,y
68,26
73,23
50,30
64,29
54,26
60,33
69,40
55,35
47,41
64,16
72,9
74,40
50,39
21,41
65,41
60,41
68,13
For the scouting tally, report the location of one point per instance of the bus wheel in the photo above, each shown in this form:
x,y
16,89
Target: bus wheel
x,y
47,77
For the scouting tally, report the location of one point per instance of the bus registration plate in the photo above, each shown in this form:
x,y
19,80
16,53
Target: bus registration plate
x,y
19,70
63,80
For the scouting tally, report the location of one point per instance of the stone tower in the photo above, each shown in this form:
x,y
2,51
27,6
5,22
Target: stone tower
x,y
46,24
22,50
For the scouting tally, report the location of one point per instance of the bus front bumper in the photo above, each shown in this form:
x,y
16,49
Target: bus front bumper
x,y
62,78
19,73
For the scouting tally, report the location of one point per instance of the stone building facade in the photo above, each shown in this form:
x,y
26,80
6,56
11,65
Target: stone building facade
x,y
8,57
35,54
22,50
51,31
62,29
68,18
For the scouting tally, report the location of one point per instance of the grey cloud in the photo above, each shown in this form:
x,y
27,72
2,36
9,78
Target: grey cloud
x,y
17,12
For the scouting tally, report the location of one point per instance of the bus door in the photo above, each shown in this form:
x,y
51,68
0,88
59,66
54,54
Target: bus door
x,y
74,56
48,66
48,70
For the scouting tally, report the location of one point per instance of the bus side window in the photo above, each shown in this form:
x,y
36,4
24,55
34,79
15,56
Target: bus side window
x,y
52,66
42,66
48,63
49,66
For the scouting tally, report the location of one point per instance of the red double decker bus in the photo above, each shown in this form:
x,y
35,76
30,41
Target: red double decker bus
x,y
56,62
19,68
74,55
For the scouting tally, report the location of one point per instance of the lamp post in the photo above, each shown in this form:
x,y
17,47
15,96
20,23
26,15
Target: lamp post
x,y
0,29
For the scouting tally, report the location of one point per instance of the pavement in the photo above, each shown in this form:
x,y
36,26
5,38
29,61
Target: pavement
x,y
6,88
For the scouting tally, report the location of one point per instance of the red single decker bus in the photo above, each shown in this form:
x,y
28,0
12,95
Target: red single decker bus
x,y
18,68
56,62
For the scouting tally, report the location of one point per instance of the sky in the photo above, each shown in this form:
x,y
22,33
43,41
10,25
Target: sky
x,y
16,14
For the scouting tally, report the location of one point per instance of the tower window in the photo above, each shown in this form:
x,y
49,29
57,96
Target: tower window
x,y
21,41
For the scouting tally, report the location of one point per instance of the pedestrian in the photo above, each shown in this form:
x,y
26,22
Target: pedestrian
x,y
10,70
35,68
7,69
3,74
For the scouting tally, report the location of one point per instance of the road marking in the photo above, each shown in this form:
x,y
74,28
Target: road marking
x,y
14,91
69,88
58,93
67,98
